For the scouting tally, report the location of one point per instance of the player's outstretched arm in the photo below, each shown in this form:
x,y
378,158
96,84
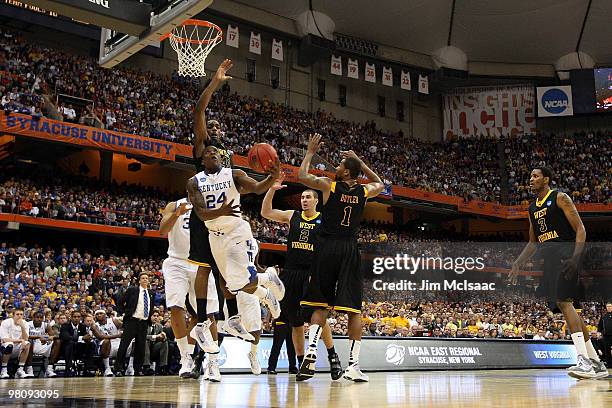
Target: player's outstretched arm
x,y
525,255
248,184
199,121
322,184
171,213
375,186
200,208
266,206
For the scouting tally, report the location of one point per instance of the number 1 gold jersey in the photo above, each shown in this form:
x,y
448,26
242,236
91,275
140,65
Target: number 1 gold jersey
x,y
343,211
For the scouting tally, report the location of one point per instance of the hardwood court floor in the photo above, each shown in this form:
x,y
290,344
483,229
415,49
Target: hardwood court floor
x,y
496,388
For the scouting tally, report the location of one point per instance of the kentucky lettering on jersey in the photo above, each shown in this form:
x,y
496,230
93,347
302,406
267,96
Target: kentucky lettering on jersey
x,y
302,238
218,186
548,221
217,189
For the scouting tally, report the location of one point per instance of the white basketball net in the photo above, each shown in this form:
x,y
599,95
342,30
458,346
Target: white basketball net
x,y
192,44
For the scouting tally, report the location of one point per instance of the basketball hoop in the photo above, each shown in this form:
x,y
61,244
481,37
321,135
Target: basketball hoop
x,y
193,40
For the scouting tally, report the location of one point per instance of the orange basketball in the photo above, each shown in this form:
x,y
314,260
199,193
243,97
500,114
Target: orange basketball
x,y
261,156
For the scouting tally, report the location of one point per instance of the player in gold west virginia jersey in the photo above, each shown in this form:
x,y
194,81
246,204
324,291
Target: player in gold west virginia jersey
x,y
336,280
302,246
556,230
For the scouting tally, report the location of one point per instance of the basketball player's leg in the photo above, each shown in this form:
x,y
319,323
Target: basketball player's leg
x,y
105,352
348,299
212,307
584,368
235,254
320,295
200,254
250,310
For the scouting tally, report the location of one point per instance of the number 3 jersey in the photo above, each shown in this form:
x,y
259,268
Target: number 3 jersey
x,y
178,237
302,239
343,211
217,189
549,222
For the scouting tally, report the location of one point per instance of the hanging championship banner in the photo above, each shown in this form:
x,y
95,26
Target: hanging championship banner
x,y
353,69
277,49
336,65
370,73
423,84
489,111
387,77
232,36
405,81
255,43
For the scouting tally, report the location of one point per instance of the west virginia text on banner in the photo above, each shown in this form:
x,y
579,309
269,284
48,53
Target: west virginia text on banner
x,y
53,130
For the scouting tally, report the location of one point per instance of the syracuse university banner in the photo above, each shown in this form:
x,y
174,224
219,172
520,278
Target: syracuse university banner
x,y
489,111
56,131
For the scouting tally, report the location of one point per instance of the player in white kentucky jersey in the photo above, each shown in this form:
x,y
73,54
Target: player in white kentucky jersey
x,y
179,277
45,341
215,195
108,335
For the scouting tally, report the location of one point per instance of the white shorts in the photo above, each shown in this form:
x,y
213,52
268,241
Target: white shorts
x,y
16,349
42,349
179,280
235,254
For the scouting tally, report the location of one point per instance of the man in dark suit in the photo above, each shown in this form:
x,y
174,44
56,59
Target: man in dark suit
x,y
137,307
76,342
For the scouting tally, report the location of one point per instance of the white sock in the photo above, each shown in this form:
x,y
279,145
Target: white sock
x,y
213,356
254,348
591,351
106,362
190,348
355,347
314,334
578,339
261,292
182,344
131,363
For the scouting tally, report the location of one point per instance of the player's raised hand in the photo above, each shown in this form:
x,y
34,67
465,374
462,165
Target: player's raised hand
x,y
278,183
225,66
314,143
229,209
349,153
182,209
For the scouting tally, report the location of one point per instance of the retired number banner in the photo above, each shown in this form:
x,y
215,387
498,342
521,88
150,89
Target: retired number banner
x,y
489,111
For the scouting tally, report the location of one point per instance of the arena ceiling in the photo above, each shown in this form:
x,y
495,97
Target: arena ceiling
x,y
516,31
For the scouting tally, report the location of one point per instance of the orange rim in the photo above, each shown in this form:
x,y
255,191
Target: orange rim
x,y
195,22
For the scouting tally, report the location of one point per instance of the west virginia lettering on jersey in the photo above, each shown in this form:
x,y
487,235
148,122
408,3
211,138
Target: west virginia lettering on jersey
x,y
214,187
302,245
539,214
548,235
307,225
351,199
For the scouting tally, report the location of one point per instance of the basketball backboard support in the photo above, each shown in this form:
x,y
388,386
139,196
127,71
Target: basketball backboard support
x,y
116,47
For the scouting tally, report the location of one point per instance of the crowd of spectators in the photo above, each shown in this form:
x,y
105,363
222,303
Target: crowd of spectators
x,y
81,198
581,163
152,105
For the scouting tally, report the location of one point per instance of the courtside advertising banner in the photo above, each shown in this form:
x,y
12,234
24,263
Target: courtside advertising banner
x,y
489,111
397,353
555,101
